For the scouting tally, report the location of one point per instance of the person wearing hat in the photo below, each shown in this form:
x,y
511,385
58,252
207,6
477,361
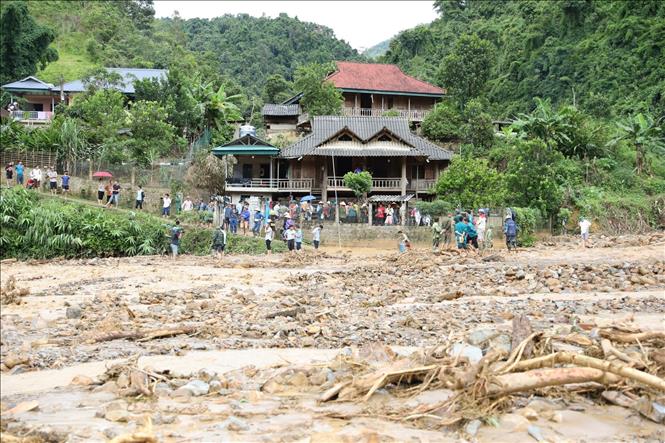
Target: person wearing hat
x,y
219,241
510,231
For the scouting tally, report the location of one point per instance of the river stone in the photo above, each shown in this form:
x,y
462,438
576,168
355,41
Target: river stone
x,y
73,312
196,388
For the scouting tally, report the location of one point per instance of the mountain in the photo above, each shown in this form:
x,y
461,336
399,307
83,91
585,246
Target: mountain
x,y
243,48
607,57
377,50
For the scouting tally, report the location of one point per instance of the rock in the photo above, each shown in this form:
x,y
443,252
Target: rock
x,y
552,283
207,374
298,380
82,380
13,359
472,427
195,388
501,343
528,413
215,386
473,353
234,424
513,423
534,431
272,386
520,275
117,415
480,336
73,312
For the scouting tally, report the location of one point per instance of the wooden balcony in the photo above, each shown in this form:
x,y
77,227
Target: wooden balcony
x,y
392,184
411,114
269,184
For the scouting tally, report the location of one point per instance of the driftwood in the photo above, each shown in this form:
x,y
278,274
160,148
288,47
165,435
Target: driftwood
x,y
521,330
540,378
397,376
144,435
613,367
144,335
622,337
286,313
609,350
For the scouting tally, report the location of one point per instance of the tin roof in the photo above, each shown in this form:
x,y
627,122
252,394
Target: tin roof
x,y
28,83
129,75
277,110
365,129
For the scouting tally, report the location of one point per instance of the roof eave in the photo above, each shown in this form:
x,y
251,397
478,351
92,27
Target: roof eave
x,y
385,92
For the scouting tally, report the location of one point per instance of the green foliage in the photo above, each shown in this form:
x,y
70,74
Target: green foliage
x,y
467,68
603,56
152,136
434,208
319,97
277,89
477,128
527,220
471,183
24,44
359,182
443,123
644,134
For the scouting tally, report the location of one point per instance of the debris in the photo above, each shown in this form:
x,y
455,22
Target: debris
x,y
22,407
534,431
10,293
73,312
195,388
144,435
472,353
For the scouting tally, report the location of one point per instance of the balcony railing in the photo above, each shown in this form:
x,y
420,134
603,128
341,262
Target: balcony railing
x,y
37,116
294,184
421,184
378,184
411,114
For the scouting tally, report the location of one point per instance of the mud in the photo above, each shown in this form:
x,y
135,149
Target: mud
x,y
250,318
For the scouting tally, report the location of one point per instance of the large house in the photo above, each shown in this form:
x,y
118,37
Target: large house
x,y
39,99
369,90
400,161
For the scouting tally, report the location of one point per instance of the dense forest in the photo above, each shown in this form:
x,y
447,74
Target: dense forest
x,y
605,56
125,33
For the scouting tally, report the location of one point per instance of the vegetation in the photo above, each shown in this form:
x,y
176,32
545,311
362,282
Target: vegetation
x,y
377,50
359,182
319,97
34,227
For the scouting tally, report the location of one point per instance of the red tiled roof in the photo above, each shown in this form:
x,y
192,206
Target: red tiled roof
x,y
379,77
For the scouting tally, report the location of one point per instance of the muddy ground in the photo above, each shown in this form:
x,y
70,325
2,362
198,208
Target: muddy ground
x,y
241,349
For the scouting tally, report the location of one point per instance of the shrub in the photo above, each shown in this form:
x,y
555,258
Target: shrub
x,y
527,220
434,208
359,182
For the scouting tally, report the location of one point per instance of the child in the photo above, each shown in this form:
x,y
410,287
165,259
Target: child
x,y
298,238
101,190
404,242
316,236
290,236
219,242
270,232
65,183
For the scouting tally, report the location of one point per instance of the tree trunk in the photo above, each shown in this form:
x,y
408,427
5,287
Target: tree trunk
x,y
639,158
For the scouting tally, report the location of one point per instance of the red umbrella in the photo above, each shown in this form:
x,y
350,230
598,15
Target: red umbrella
x,y
102,174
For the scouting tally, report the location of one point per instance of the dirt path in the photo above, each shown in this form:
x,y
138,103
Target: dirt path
x,y
298,319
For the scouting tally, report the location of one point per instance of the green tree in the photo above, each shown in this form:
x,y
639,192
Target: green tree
x,y
443,123
24,44
151,135
471,183
73,142
277,89
644,134
319,97
477,128
359,182
466,69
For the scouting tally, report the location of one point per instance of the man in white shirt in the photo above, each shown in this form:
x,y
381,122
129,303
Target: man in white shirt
x,y
187,205
166,206
584,231
270,233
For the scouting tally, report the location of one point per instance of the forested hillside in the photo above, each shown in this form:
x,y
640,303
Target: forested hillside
x,y
606,56
377,50
126,33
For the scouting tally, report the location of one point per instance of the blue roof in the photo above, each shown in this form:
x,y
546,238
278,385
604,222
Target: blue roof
x,y
128,76
31,83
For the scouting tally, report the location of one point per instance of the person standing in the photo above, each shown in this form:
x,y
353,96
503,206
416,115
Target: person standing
x,y
64,183
176,235
585,224
101,190
298,238
140,198
316,236
227,216
166,205
290,236
436,236
471,234
20,169
108,190
234,221
52,180
115,194
9,173
270,234
460,232
219,242
245,216
510,231
380,214
258,219
36,176
446,228
481,226
404,242
187,205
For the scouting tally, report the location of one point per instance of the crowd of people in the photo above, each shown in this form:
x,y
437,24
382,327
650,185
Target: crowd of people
x,y
37,177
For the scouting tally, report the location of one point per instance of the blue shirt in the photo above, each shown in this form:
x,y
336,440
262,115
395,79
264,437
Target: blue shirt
x,y
245,214
258,217
471,230
65,180
299,236
19,169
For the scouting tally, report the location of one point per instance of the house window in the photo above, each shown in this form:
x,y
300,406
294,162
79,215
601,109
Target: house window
x,y
384,138
418,171
344,138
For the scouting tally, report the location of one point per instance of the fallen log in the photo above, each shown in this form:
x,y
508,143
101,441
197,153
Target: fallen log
x,y
613,367
521,330
286,313
623,337
541,378
143,335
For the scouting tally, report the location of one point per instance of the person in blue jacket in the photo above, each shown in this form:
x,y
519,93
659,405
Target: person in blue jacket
x,y
510,231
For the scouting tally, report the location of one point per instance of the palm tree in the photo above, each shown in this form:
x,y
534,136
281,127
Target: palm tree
x,y
544,123
220,108
644,134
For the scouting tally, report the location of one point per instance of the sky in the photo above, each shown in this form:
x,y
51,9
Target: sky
x,y
361,23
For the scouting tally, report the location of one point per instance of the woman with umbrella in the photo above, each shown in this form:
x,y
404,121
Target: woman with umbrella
x,y
103,189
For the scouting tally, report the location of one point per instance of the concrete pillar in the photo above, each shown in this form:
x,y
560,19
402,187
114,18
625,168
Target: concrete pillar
x,y
370,213
403,181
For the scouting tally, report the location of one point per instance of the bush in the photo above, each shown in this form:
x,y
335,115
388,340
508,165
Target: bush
x,y
434,208
527,220
359,182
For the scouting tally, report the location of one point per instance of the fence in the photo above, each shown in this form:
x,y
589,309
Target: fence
x,y
30,159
